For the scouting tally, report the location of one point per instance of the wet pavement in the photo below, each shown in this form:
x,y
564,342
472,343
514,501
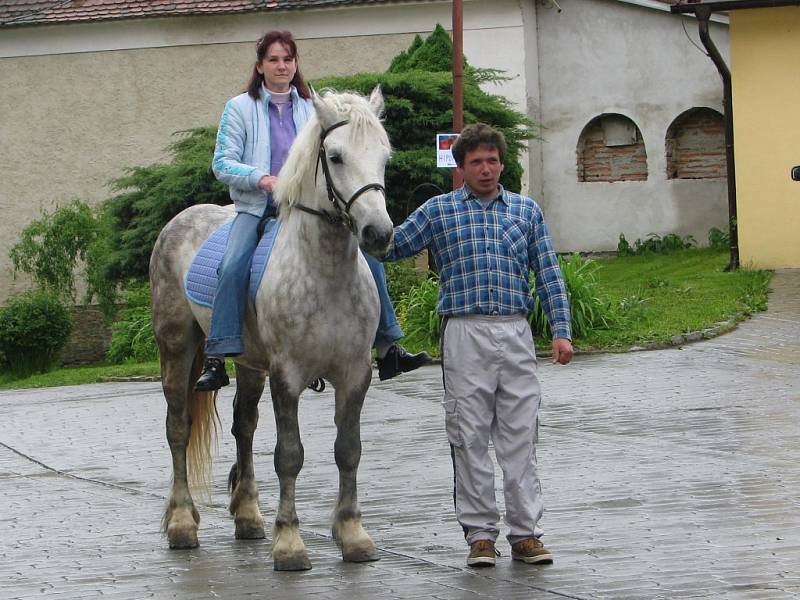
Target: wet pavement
x,y
667,474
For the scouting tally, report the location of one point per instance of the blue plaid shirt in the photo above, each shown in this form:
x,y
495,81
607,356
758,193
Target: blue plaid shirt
x,y
484,256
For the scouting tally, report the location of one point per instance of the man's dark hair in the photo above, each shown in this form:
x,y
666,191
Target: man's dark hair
x,y
476,135
262,45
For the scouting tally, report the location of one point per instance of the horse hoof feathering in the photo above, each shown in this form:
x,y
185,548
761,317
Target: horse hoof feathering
x,y
317,294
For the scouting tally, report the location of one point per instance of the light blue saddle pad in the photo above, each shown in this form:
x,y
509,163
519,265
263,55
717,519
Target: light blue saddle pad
x,y
201,279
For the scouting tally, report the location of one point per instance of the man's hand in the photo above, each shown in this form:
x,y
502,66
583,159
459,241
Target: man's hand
x,y
267,183
562,351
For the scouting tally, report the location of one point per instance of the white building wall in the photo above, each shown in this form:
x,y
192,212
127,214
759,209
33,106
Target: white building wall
x,y
604,56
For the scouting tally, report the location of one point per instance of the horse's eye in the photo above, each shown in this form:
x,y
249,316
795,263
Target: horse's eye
x,y
336,159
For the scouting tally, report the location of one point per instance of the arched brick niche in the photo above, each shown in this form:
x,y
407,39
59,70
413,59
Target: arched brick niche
x,y
610,148
695,145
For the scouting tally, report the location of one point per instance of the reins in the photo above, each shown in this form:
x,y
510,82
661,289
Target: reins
x,y
342,206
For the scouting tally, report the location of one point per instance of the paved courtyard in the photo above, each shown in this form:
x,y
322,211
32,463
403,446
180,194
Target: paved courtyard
x,y
667,474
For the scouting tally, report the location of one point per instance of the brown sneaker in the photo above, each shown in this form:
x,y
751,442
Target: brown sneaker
x,y
482,554
531,551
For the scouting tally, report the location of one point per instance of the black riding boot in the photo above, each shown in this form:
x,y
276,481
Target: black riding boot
x,y
399,360
213,376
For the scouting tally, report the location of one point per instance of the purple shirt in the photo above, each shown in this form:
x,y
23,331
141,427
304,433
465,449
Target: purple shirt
x,y
281,133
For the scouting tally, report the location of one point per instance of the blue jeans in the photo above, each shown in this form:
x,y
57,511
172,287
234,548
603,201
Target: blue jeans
x,y
227,313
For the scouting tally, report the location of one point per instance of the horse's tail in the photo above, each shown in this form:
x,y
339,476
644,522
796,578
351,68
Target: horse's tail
x,y
204,418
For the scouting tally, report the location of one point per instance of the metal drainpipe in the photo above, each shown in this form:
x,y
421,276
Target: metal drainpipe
x,y
703,14
458,77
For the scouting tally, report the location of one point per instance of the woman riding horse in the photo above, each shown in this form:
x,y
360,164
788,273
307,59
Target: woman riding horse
x,y
255,132
332,210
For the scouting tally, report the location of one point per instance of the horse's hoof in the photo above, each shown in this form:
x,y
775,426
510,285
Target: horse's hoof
x,y
292,563
250,531
183,540
361,555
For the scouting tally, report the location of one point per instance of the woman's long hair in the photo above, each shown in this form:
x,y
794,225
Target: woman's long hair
x,y
263,43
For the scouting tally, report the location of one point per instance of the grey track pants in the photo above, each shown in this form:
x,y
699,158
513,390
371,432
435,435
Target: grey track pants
x,y
492,392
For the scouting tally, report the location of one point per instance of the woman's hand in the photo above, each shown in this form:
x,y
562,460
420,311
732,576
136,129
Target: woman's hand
x,y
267,183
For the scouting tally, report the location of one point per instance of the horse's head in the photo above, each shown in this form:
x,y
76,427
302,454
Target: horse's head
x,y
353,156
343,156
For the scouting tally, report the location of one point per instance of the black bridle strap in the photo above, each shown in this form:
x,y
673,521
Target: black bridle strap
x,y
333,219
333,193
366,188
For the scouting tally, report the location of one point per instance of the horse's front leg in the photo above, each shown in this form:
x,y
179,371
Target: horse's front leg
x,y
288,550
348,531
241,482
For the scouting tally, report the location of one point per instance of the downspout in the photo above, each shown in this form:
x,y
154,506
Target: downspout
x,y
703,14
458,77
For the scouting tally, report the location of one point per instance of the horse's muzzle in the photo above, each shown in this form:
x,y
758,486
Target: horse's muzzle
x,y
375,240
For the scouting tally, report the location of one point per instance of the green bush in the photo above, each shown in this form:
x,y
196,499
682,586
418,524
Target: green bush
x,y
418,317
132,335
718,239
34,327
55,247
654,244
590,309
401,276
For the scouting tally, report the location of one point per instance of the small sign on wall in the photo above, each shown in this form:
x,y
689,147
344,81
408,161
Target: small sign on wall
x,y
444,155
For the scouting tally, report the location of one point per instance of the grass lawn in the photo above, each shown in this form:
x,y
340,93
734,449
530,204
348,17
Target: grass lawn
x,y
649,299
78,375
656,296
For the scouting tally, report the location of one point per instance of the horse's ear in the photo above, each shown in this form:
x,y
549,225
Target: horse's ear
x,y
325,114
376,100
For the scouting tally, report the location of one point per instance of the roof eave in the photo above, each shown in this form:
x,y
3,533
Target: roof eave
x,y
727,5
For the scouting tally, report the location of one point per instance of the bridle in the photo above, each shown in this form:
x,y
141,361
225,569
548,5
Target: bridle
x,y
342,206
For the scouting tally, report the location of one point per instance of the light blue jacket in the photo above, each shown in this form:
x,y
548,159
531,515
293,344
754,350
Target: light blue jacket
x,y
242,155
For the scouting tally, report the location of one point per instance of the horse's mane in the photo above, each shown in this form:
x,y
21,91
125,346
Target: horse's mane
x,y
302,160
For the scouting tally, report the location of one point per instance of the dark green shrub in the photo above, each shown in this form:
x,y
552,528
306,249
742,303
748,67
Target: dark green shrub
x,y
623,247
718,239
401,276
590,310
655,244
132,335
34,327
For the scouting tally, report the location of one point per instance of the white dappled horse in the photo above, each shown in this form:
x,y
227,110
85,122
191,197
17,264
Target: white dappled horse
x,y
315,316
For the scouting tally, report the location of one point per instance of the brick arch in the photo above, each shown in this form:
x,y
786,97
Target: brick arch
x,y
695,145
611,148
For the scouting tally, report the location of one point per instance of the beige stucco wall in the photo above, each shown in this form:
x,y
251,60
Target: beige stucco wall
x,y
765,54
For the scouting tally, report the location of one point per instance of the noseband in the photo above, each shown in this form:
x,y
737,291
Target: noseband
x,y
342,216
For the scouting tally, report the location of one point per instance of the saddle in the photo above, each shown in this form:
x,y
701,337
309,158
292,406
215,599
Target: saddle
x,y
200,284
